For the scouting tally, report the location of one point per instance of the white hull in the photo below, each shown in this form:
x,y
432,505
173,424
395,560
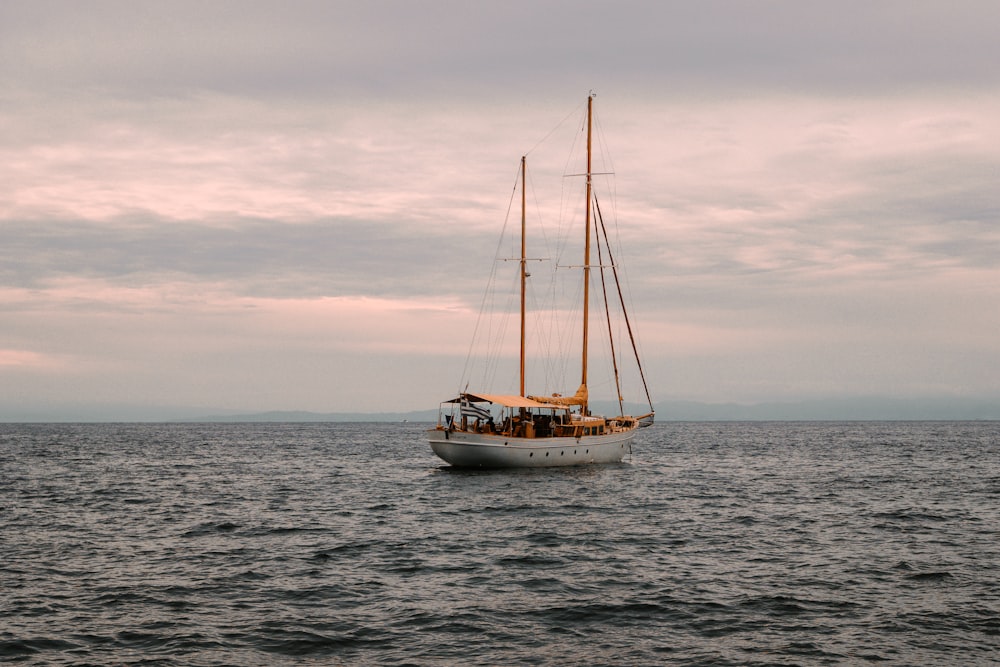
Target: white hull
x,y
478,450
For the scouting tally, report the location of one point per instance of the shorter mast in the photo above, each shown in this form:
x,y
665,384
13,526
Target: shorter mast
x,y
524,271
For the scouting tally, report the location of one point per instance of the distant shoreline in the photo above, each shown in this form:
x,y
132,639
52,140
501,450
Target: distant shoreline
x,y
853,409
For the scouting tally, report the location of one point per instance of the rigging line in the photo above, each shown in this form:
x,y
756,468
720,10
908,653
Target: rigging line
x,y
604,153
621,299
569,211
491,284
538,213
499,322
500,335
562,330
608,164
607,311
552,131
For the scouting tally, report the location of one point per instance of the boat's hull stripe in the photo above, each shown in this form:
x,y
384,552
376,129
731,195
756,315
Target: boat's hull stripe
x,y
493,451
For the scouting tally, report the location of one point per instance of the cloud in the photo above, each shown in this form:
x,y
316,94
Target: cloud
x,y
26,359
246,200
176,343
388,48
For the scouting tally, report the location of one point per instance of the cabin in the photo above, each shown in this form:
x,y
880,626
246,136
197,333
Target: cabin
x,y
524,417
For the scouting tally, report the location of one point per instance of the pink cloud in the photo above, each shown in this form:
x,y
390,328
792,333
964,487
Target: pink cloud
x,y
27,359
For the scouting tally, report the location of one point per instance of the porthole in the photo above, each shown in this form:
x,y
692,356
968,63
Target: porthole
x,y
546,453
530,454
562,453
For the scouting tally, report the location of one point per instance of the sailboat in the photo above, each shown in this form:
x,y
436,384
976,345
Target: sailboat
x,y
480,429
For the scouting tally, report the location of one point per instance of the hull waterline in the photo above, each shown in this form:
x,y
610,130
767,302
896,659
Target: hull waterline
x,y
473,450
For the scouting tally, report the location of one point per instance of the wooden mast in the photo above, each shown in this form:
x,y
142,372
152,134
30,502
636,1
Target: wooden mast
x,y
586,255
524,272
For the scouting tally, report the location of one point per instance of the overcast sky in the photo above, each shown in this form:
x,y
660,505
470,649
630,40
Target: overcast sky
x,y
293,205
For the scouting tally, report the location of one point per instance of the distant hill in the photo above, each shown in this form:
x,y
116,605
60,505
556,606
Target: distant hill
x,y
875,408
845,409
302,416
841,409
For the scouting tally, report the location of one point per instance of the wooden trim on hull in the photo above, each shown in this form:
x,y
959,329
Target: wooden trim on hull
x,y
471,450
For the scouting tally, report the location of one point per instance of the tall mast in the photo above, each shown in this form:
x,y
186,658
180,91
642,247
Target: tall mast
x,y
524,272
586,251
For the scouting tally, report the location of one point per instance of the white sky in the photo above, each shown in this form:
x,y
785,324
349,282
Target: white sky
x,y
254,206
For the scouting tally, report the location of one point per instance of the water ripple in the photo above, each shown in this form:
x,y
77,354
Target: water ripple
x,y
288,544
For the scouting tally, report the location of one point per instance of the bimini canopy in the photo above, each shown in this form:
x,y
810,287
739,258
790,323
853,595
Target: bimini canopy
x,y
506,400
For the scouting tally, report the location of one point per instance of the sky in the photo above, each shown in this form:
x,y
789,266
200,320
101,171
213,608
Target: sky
x,y
247,206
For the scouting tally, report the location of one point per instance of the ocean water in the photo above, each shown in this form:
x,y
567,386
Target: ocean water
x,y
351,544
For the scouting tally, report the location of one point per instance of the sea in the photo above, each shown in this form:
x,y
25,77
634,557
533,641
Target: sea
x,y
760,543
